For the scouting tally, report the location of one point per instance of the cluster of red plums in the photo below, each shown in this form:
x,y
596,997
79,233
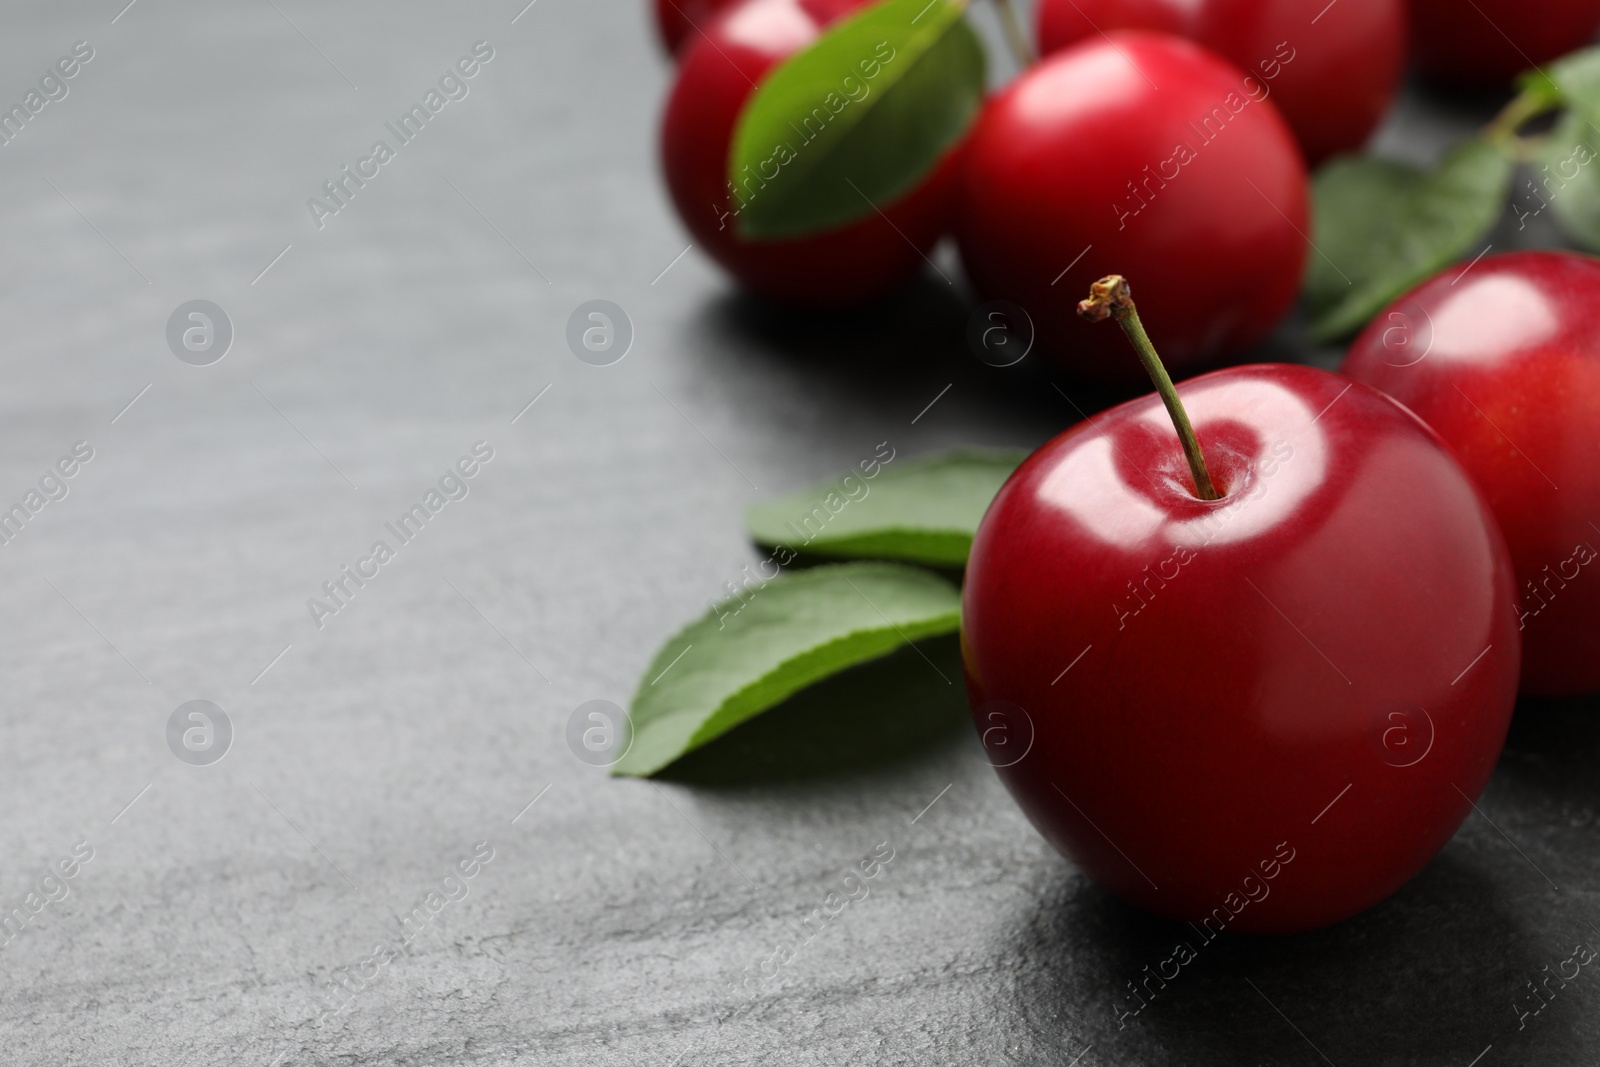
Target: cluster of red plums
x,y
1165,139
1316,643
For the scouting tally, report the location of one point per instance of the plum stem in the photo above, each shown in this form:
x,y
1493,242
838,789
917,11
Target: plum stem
x,y
1110,298
1526,105
1539,96
1015,37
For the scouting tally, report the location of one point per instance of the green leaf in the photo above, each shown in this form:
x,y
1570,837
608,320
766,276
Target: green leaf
x,y
1575,76
1565,181
920,511
858,720
856,119
1345,223
1382,227
744,657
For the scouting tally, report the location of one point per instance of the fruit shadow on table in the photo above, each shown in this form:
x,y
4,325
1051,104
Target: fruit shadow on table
x,y
1430,975
896,354
880,364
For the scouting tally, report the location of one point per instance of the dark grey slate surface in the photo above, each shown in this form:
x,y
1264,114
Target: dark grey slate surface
x,y
616,920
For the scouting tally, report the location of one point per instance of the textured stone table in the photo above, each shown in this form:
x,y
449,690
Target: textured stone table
x,y
212,909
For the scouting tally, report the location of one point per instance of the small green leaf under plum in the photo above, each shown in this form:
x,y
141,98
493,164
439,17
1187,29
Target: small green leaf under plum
x,y
748,654
918,511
